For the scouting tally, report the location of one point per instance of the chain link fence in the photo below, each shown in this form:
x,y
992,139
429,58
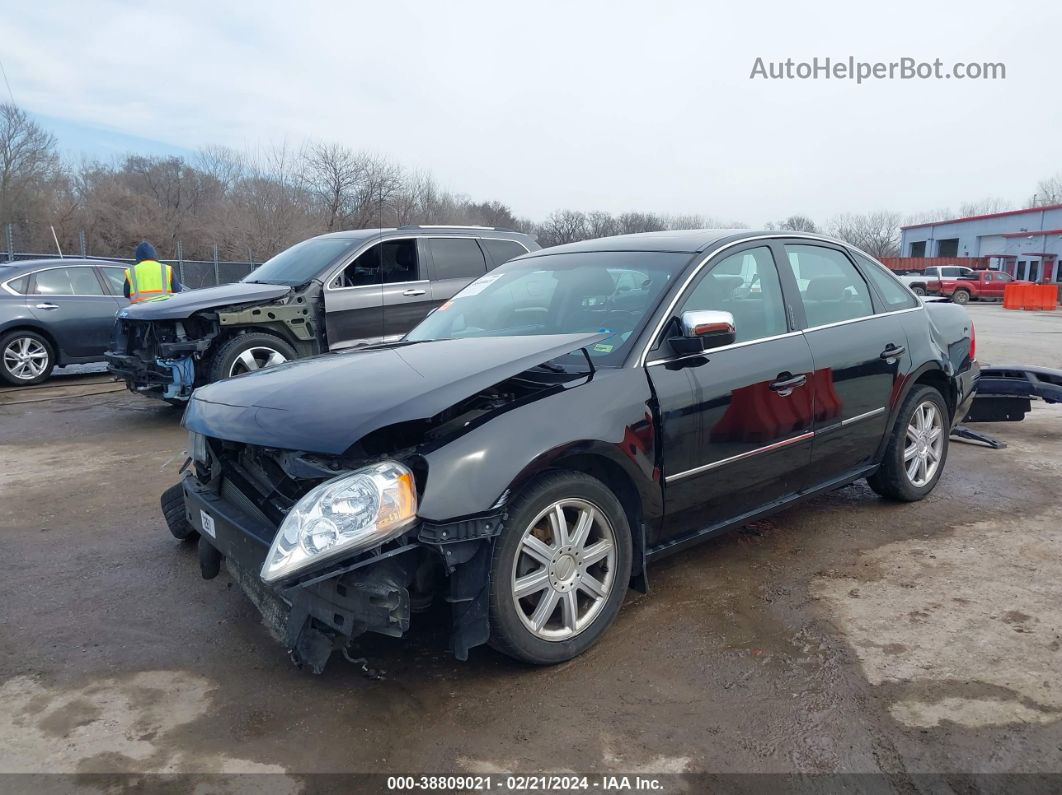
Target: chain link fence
x,y
193,274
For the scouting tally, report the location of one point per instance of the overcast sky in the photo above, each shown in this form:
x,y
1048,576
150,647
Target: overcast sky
x,y
612,106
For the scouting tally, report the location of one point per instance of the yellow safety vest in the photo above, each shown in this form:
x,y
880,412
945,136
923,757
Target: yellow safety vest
x,y
148,279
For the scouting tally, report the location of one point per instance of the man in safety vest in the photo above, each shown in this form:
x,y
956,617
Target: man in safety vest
x,y
148,278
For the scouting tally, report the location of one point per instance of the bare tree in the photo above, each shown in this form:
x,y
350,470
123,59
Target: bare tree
x,y
794,223
984,206
601,224
563,226
877,233
1048,191
29,167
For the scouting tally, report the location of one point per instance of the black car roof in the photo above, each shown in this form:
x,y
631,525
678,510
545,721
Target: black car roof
x,y
679,240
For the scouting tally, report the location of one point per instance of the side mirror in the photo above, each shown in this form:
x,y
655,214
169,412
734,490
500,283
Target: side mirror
x,y
703,330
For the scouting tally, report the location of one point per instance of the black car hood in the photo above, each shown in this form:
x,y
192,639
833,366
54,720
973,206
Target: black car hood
x,y
326,404
182,305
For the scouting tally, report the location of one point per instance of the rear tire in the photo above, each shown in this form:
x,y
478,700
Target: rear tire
x,y
906,445
26,358
174,511
918,290
573,579
254,350
960,297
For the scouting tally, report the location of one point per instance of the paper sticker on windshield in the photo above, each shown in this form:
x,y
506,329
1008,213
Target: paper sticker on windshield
x,y
480,284
601,347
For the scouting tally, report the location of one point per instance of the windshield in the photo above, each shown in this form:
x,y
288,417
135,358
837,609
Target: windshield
x,y
301,262
608,292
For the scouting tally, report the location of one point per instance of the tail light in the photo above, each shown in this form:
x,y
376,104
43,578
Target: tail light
x,y
973,343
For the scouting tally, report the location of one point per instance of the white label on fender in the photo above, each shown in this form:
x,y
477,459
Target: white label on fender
x,y
208,523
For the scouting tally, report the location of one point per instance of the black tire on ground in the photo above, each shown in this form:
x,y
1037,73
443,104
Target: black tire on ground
x,y
509,635
176,519
23,342
230,352
918,290
961,297
891,480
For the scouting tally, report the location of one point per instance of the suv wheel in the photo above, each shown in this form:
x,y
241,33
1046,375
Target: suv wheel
x,y
26,358
248,352
560,570
917,449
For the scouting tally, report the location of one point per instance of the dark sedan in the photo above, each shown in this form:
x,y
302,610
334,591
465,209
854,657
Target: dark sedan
x,y
526,451
55,312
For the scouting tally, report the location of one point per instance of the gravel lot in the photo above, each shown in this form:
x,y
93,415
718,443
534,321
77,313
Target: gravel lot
x,y
848,634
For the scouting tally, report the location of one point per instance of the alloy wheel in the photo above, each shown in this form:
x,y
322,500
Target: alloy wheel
x,y
255,359
924,444
564,570
25,358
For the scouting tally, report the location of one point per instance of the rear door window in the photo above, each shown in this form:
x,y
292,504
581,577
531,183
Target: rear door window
x,y
457,258
830,286
67,281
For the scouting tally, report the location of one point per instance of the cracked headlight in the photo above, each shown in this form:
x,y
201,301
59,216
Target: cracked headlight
x,y
348,514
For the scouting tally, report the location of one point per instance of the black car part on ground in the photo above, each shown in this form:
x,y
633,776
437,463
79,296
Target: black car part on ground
x,y
1005,392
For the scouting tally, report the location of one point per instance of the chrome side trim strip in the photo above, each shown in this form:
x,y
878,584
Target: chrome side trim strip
x,y
860,417
861,319
739,457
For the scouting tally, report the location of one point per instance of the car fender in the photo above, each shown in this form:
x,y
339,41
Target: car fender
x,y
606,417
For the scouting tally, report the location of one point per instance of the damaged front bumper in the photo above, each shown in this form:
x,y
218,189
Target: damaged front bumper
x,y
323,611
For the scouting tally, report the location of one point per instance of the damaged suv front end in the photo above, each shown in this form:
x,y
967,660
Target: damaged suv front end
x,y
165,348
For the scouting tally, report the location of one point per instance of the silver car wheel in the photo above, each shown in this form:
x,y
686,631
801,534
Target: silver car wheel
x,y
25,358
564,569
924,444
256,358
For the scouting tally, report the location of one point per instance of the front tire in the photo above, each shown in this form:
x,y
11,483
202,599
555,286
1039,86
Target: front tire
x,y
176,519
245,353
917,449
560,569
26,358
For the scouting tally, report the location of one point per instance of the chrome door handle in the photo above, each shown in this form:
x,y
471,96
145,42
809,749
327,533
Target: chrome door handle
x,y
46,306
788,383
412,292
892,352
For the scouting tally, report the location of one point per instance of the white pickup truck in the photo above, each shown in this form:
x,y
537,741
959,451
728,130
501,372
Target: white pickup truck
x,y
917,281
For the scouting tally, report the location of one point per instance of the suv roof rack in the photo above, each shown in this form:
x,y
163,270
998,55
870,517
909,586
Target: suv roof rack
x,y
458,226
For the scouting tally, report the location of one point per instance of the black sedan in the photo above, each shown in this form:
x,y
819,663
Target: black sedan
x,y
55,312
526,451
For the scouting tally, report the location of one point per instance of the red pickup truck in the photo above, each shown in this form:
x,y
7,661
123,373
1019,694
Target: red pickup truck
x,y
976,286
